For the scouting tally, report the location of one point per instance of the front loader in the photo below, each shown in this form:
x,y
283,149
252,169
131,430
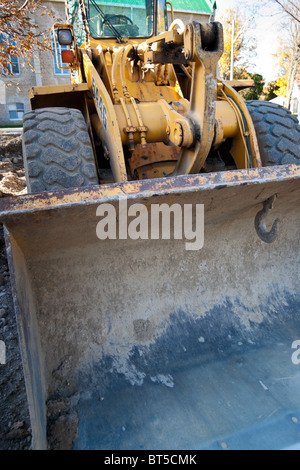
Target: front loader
x,y
175,332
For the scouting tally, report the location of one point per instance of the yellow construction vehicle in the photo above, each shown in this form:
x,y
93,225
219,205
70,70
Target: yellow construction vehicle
x,y
136,334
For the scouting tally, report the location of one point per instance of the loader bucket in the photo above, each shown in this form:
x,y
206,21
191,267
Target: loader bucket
x,y
144,344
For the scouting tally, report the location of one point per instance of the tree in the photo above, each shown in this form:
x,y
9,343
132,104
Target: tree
x,y
237,39
267,8
255,92
288,54
290,7
281,87
271,90
289,59
19,36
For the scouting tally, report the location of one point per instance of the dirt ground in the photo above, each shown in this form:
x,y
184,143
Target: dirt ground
x,y
15,433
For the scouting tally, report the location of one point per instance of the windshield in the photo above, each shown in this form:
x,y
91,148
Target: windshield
x,y
120,18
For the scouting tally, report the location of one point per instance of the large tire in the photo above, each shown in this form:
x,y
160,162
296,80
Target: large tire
x,y
278,133
57,150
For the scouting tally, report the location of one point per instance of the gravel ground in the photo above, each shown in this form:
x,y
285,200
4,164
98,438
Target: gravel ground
x,y
15,433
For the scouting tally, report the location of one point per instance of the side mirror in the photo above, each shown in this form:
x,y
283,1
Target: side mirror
x,y
64,37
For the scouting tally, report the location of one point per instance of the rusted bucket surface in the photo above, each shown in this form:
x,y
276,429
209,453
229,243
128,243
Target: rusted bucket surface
x,y
143,344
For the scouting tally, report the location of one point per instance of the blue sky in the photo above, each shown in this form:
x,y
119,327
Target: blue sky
x,y
267,35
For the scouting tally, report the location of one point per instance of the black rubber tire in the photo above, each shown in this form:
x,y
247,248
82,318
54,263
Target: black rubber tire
x,y
278,133
57,150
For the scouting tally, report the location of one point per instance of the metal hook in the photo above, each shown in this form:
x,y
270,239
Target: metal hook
x,y
267,236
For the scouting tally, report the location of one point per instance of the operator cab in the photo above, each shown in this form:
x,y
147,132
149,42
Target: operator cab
x,y
124,18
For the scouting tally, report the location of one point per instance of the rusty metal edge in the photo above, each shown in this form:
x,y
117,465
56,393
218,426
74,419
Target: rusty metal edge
x,y
53,89
146,188
38,435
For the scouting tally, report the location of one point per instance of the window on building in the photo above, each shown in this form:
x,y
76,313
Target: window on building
x,y
11,65
16,111
14,65
57,59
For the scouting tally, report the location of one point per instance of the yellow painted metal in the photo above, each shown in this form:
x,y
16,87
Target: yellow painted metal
x,y
156,117
109,130
141,84
240,84
172,10
240,150
228,118
141,103
54,89
203,99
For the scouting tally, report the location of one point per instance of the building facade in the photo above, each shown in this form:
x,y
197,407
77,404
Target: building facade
x,y
44,69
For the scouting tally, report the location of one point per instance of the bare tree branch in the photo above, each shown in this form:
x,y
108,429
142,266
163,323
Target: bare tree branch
x,y
289,9
294,5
